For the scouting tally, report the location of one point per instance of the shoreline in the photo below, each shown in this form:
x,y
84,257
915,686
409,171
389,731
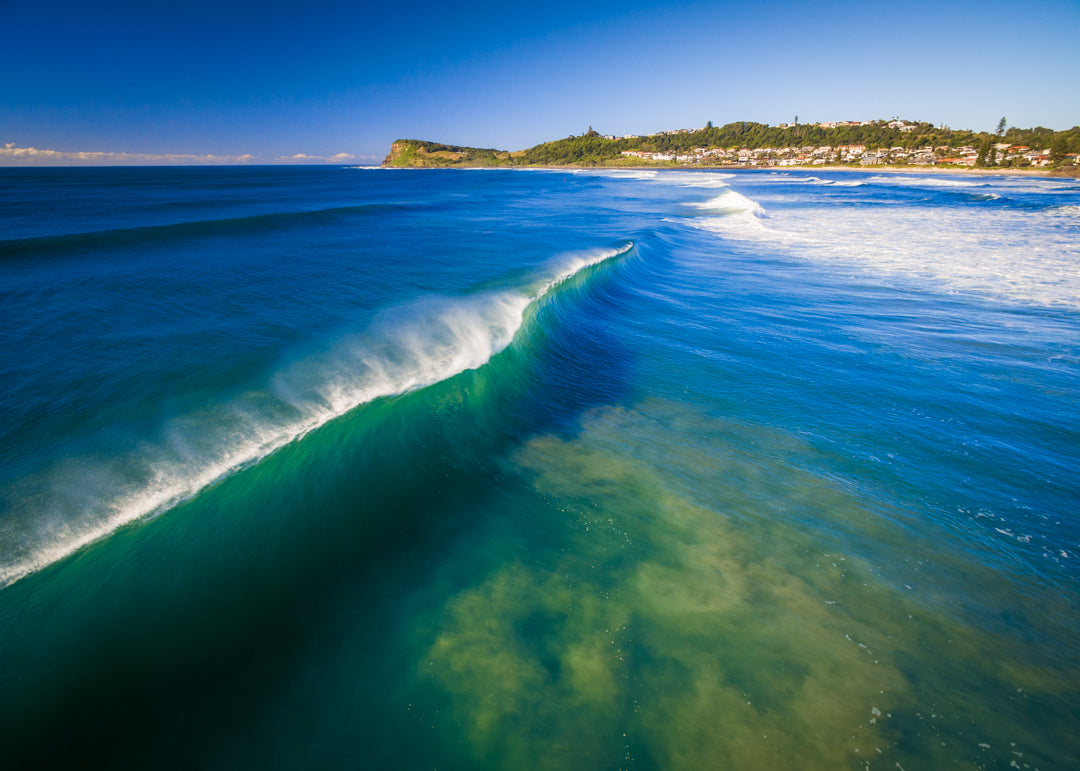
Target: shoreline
x,y
980,172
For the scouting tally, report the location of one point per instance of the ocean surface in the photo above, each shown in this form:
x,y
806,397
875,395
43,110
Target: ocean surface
x,y
356,468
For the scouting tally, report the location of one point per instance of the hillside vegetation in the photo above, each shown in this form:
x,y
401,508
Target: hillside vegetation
x,y
418,153
592,149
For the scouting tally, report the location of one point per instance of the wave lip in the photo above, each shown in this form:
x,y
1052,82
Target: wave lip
x,y
409,347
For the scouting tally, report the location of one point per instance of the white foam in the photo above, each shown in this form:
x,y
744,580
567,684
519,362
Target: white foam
x,y
1016,255
734,216
744,226
705,179
792,178
730,213
730,202
833,182
82,500
567,265
907,181
608,173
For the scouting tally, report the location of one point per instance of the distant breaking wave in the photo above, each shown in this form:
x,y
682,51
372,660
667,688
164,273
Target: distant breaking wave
x,y
80,242
733,215
730,202
925,181
964,246
817,180
79,501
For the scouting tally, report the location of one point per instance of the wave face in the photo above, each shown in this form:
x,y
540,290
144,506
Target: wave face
x,y
520,469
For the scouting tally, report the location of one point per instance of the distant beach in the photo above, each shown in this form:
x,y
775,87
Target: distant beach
x,y
963,170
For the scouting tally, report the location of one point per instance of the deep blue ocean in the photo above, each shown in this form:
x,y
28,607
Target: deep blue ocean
x,y
356,468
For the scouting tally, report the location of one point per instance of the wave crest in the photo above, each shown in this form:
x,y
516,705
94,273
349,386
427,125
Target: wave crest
x,y
731,202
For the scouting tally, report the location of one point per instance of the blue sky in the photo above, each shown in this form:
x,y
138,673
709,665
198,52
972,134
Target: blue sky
x,y
138,81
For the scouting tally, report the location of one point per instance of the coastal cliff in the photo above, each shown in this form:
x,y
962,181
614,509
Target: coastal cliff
x,y
416,153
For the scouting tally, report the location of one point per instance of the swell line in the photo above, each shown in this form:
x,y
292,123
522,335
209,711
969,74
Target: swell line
x,y
407,348
38,246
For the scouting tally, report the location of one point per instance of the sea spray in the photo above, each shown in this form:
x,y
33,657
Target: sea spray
x,y
735,216
730,202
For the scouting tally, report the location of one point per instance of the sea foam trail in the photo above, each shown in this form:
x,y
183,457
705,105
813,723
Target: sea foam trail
x,y
80,501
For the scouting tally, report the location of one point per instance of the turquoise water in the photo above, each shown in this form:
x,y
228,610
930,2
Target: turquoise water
x,y
336,467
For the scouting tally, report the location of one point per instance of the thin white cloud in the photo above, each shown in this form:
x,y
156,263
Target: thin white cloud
x,y
11,155
338,158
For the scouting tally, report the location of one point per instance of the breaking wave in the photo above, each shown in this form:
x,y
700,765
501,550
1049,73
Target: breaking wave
x,y
730,202
959,248
81,500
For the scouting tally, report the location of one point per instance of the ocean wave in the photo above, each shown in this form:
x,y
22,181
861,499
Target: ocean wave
x,y
792,178
732,215
730,202
960,248
629,174
740,227
903,180
704,179
79,243
82,500
815,180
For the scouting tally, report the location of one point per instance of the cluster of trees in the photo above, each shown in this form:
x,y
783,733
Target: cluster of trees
x,y
875,136
754,135
1060,143
587,150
